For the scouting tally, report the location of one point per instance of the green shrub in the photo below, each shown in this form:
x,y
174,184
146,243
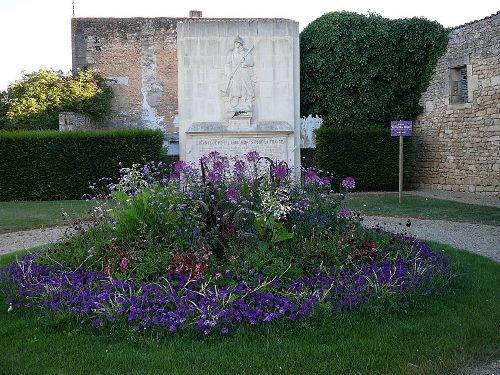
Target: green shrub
x,y
358,70
51,165
34,101
371,156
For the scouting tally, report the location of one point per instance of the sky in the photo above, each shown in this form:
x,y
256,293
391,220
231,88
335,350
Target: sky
x,y
35,34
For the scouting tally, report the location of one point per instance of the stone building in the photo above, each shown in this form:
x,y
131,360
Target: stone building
x,y
138,56
458,135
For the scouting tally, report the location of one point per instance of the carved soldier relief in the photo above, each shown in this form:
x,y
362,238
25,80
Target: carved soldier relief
x,y
239,85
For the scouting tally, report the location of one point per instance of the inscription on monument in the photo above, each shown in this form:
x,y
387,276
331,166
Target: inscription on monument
x,y
274,148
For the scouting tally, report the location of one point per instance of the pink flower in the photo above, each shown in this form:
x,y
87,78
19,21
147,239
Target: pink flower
x,y
124,264
107,269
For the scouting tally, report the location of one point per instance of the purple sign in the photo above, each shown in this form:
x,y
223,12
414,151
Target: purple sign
x,y
401,128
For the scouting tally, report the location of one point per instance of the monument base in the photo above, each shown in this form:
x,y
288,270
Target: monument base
x,y
272,139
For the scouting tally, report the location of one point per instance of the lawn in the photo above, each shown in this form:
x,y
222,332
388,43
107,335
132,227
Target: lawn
x,y
440,335
15,216
387,204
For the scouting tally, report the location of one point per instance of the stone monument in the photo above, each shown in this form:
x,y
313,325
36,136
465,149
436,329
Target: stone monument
x,y
239,88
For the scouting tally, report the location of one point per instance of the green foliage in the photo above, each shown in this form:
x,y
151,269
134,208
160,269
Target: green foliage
x,y
371,156
34,101
367,70
152,214
51,165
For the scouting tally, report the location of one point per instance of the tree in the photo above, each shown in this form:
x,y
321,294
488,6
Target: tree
x,y
34,101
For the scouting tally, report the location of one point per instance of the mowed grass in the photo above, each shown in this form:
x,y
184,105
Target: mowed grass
x,y
440,335
387,204
16,216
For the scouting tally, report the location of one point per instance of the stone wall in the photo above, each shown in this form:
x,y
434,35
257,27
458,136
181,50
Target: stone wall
x,y
139,58
458,135
75,121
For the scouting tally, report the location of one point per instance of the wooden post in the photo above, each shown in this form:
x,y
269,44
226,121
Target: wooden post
x,y
400,169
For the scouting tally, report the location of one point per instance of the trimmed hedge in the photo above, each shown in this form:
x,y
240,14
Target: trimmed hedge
x,y
52,165
371,156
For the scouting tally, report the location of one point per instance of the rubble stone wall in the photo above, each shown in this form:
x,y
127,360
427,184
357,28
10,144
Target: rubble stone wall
x,y
458,143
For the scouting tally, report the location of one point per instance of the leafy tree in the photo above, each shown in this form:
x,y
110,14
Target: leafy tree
x,y
34,101
367,70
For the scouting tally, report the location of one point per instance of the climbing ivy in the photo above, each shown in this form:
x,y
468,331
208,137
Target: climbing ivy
x,y
367,70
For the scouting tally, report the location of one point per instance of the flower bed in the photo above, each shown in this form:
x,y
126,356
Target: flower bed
x,y
234,242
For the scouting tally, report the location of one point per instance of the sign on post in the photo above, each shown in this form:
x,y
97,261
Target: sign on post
x,y
401,129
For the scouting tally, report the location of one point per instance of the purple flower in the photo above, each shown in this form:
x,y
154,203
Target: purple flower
x,y
239,167
218,166
303,204
349,183
233,195
214,177
280,170
312,178
325,181
179,166
252,156
344,213
224,330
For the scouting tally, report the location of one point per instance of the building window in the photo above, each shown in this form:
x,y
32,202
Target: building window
x,y
458,85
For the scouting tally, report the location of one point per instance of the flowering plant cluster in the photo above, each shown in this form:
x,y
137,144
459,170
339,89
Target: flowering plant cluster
x,y
238,239
182,301
155,215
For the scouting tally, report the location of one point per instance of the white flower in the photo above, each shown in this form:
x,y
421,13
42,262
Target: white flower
x,y
10,308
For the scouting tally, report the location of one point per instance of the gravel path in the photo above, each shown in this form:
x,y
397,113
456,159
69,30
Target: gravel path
x,y
491,368
476,238
26,239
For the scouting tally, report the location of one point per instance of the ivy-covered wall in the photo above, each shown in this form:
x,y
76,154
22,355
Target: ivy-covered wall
x,y
367,70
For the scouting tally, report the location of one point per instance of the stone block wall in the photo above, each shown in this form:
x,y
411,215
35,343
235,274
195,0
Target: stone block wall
x,y
138,56
75,121
458,135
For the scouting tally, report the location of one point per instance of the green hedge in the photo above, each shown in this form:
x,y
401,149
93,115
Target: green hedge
x,y
52,165
371,156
